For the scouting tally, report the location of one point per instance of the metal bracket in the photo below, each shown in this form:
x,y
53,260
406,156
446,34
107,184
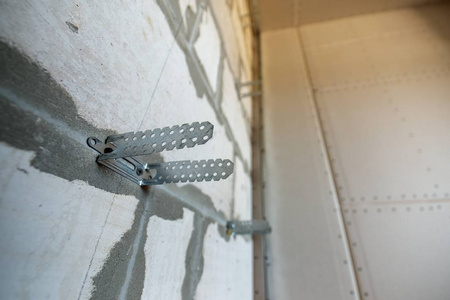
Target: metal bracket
x,y
241,85
248,227
118,151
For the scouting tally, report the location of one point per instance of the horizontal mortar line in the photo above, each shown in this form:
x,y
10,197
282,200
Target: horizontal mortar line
x,y
64,128
204,211
395,202
60,125
383,81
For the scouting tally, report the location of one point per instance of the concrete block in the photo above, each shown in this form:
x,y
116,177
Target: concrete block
x,y
242,193
228,268
54,234
165,254
233,111
108,55
222,16
238,27
208,46
247,102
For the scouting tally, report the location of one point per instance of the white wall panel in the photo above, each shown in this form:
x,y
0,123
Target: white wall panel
x,y
382,84
308,253
288,13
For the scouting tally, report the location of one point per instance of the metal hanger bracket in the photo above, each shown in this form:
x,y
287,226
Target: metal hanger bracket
x,y
119,151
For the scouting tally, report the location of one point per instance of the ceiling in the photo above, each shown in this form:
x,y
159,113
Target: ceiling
x,y
276,14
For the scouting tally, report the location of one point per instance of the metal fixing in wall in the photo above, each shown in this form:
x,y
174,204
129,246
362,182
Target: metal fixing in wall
x,y
240,85
248,227
118,151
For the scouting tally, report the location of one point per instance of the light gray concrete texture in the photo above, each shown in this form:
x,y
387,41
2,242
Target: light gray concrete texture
x,y
70,228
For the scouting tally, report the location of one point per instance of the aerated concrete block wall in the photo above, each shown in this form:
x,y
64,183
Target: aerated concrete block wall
x,y
72,229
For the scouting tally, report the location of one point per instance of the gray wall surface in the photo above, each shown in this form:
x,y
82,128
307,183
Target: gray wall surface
x,y
71,229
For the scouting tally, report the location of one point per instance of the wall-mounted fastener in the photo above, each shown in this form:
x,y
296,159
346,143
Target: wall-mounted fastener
x,y
246,93
118,151
248,227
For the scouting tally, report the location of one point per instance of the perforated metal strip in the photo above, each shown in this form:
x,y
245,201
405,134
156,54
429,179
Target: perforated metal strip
x,y
157,140
203,170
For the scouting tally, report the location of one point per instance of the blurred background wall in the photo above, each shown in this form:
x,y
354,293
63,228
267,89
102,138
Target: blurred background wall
x,y
357,168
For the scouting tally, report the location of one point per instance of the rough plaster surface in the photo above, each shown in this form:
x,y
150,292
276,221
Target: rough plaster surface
x,y
75,70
